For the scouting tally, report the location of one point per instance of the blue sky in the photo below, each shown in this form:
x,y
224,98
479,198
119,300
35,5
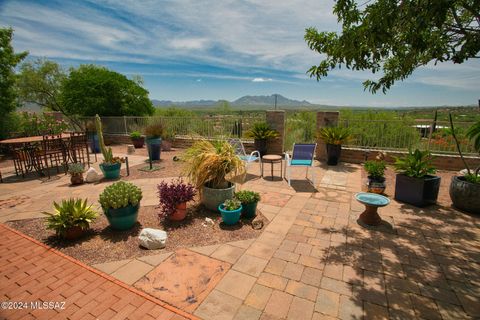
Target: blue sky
x,y
210,49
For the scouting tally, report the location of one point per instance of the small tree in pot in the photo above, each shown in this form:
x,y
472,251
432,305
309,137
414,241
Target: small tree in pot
x,y
71,218
415,182
210,166
174,197
120,203
137,139
334,137
261,132
465,190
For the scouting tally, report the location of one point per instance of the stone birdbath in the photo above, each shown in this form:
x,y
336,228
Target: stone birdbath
x,y
372,202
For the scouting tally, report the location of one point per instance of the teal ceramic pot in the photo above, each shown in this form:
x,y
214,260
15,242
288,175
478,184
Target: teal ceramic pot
x,y
249,210
154,146
230,217
122,218
111,171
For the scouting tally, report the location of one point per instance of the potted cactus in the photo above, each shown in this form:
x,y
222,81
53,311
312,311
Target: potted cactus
x,y
231,210
120,203
76,171
249,200
111,165
71,218
137,139
174,197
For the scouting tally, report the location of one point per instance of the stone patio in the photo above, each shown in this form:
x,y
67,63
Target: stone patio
x,y
313,260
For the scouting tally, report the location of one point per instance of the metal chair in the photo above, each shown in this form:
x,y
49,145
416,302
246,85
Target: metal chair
x,y
53,149
302,156
240,152
78,148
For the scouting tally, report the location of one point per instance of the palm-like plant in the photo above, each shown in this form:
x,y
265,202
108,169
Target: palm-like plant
x,y
334,135
261,131
212,164
68,214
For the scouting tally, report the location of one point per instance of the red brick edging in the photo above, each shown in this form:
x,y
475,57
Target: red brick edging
x,y
104,275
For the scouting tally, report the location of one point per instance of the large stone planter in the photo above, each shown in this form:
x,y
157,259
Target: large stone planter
x,y
417,191
465,195
212,198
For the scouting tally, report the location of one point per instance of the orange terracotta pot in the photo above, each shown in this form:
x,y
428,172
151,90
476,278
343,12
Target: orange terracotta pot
x,y
180,213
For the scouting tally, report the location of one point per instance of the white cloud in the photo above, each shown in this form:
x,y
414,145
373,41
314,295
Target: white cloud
x,y
189,43
261,79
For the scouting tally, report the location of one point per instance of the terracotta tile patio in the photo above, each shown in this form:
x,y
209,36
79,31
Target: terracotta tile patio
x,y
314,261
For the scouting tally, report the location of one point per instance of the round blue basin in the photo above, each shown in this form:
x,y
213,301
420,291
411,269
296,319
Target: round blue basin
x,y
372,199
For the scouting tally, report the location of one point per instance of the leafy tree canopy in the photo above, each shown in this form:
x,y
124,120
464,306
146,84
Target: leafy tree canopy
x,y
91,90
40,82
396,37
8,61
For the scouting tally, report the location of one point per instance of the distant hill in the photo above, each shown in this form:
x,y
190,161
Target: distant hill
x,y
245,101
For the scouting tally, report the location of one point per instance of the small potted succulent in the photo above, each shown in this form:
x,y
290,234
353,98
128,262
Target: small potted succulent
x,y
111,165
76,171
154,132
415,182
249,200
231,210
261,132
174,197
120,203
137,139
376,175
334,137
71,218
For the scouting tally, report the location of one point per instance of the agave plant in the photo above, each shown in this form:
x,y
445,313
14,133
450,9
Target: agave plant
x,y
212,163
334,135
68,214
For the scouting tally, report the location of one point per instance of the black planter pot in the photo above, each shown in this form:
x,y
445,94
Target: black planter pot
x,y
465,195
333,153
261,146
138,142
417,191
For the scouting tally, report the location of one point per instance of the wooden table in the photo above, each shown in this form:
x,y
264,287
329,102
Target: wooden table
x,y
272,158
30,140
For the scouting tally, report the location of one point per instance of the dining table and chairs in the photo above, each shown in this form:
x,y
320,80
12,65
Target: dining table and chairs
x,y
42,153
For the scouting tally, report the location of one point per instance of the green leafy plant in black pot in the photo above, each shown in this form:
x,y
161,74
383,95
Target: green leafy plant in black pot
x,y
249,200
71,218
376,175
334,137
261,132
465,190
415,182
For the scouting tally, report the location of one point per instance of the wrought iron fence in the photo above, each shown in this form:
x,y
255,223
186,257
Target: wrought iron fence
x,y
207,127
408,134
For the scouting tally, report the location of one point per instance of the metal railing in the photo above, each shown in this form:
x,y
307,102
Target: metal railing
x,y
207,127
408,134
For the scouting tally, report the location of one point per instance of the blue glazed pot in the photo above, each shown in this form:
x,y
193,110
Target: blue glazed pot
x,y
230,217
111,171
122,218
249,210
154,147
94,145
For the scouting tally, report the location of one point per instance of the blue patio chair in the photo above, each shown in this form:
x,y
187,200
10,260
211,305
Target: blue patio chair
x,y
240,152
302,156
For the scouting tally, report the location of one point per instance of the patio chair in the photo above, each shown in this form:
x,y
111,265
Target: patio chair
x,y
240,151
78,148
53,149
302,156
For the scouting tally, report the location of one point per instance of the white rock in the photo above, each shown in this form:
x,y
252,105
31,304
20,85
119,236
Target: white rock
x,y
208,222
91,175
463,172
152,238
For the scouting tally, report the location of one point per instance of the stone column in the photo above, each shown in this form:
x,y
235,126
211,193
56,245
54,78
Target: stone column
x,y
276,120
325,119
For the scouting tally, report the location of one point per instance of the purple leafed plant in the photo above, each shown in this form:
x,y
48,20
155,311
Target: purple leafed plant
x,y
173,194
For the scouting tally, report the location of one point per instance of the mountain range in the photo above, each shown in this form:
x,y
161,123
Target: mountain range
x,y
245,101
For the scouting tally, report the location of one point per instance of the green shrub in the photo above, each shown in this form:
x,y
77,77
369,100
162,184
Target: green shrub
x,y
374,168
416,164
135,135
119,195
247,196
70,213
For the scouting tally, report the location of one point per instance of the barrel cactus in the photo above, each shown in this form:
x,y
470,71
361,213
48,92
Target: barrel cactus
x,y
120,194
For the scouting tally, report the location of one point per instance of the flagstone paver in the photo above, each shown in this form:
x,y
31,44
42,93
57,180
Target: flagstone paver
x,y
314,260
